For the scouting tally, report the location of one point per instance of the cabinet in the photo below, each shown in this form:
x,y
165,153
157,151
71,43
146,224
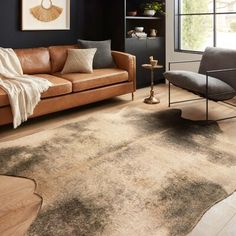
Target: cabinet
x,y
143,49
119,23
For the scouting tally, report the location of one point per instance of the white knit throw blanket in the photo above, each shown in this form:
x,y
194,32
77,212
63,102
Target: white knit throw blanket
x,y
24,91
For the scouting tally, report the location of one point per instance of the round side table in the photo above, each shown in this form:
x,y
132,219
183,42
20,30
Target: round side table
x,y
152,99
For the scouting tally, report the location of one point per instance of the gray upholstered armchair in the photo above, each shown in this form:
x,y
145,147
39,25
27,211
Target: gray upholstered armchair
x,y
215,80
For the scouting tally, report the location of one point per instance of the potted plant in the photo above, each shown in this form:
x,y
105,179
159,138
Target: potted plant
x,y
151,8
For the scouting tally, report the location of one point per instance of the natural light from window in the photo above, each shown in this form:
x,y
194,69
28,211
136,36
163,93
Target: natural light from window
x,y
205,23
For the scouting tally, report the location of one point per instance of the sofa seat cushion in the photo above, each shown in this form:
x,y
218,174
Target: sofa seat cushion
x,y
194,82
60,86
99,78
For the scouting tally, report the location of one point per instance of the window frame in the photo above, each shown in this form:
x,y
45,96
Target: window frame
x,y
177,25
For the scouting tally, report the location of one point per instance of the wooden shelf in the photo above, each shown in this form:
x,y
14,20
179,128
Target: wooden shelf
x,y
147,38
143,17
142,48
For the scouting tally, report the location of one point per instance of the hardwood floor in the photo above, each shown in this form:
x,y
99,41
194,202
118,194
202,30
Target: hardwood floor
x,y
191,110
19,204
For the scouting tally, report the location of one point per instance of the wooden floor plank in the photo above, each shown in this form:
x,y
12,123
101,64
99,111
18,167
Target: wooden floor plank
x,y
19,205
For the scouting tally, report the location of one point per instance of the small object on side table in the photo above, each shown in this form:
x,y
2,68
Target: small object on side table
x,y
154,62
152,99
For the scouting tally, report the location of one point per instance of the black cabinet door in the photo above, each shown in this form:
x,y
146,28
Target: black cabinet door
x,y
143,49
138,47
156,48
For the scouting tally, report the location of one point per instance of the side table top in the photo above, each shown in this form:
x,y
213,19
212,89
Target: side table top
x,y
150,67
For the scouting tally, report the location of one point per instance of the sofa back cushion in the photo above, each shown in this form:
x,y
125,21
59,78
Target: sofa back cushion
x,y
219,58
34,60
58,56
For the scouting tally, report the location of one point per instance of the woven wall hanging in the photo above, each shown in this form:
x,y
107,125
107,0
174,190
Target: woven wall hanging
x,y
46,13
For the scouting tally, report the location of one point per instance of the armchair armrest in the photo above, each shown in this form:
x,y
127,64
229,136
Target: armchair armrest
x,y
220,71
126,62
210,72
182,62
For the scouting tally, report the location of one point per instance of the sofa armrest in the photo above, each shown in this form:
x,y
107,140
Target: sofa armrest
x,y
126,62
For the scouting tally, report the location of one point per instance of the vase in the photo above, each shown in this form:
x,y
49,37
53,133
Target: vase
x,y
153,32
149,12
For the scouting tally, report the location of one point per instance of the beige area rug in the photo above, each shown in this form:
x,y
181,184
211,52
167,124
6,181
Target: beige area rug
x,y
132,172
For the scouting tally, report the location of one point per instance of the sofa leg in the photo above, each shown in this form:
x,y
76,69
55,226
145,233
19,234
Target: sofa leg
x,y
132,96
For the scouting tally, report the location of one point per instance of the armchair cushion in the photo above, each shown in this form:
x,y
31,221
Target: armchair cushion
x,y
219,58
194,82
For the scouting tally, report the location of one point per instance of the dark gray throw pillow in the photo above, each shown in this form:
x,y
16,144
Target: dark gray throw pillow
x,y
103,57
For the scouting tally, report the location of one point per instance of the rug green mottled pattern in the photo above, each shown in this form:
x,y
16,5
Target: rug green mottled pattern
x,y
131,172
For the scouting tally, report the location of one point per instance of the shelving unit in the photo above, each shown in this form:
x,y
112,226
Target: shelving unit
x,y
143,17
119,23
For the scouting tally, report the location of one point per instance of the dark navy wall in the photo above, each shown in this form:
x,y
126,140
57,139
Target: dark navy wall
x,y
86,22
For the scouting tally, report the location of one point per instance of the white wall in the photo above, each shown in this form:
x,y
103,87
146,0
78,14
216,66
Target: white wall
x,y
171,55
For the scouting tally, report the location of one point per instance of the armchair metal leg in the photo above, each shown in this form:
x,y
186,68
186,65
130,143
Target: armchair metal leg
x,y
169,94
207,110
206,103
207,100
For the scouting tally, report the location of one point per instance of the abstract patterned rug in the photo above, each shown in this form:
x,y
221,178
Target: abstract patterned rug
x,y
128,173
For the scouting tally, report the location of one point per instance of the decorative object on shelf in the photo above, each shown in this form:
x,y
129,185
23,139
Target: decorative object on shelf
x,y
135,34
48,15
141,35
149,12
153,32
151,8
139,29
132,13
152,66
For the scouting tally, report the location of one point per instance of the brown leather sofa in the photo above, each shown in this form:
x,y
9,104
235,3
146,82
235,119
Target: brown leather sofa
x,y
75,89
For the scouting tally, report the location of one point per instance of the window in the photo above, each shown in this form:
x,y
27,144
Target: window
x,y
202,23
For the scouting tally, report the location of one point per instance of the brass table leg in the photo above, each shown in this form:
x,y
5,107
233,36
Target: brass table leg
x,y
152,99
